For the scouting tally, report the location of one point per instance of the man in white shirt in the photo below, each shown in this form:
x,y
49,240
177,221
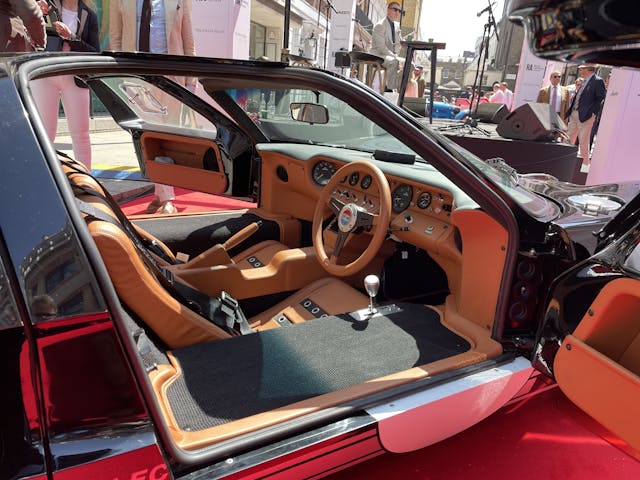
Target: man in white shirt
x,y
555,95
508,94
498,95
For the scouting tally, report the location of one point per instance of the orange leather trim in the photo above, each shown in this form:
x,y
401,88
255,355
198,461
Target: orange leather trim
x,y
483,347
289,269
614,329
187,153
484,244
175,324
329,294
290,228
598,367
601,387
297,196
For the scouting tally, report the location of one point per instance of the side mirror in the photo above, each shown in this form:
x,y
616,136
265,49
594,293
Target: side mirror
x,y
309,113
606,32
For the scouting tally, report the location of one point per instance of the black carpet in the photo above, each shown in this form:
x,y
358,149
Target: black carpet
x,y
231,379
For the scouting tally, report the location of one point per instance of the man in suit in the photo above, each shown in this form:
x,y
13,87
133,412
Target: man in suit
x,y
167,30
385,42
555,95
583,109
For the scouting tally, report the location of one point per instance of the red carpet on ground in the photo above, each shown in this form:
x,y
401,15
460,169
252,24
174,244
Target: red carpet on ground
x,y
188,201
542,437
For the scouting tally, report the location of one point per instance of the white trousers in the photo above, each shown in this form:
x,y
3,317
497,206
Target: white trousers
x,y
47,93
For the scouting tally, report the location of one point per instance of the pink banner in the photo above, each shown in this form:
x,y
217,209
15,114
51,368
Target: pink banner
x,y
221,28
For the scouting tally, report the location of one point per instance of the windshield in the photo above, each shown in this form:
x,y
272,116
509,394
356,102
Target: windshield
x,y
269,109
347,128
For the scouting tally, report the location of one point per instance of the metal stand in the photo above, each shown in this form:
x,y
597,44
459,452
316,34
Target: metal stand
x,y
470,124
411,47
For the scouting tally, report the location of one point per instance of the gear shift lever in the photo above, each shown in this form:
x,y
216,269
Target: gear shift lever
x,y
372,285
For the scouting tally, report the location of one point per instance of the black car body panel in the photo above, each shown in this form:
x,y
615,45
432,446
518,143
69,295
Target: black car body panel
x,y
100,344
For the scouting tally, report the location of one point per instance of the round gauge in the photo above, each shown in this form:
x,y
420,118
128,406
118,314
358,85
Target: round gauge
x,y
424,200
353,179
366,182
322,172
401,198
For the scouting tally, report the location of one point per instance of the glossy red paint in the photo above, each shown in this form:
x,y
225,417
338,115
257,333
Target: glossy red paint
x,y
142,464
86,381
319,460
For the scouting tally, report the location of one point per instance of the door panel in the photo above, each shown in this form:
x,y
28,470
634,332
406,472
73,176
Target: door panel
x,y
181,139
193,163
598,367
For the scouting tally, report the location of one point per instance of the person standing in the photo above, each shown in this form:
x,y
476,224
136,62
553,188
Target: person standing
x,y
555,95
498,95
583,109
21,26
385,42
508,94
155,26
77,31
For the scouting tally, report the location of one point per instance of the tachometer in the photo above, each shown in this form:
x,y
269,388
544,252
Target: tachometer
x,y
322,172
424,200
365,182
353,179
401,198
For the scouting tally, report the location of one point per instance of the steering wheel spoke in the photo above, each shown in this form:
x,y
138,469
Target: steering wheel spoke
x,y
336,205
341,242
366,219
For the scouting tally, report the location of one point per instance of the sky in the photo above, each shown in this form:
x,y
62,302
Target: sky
x,y
456,23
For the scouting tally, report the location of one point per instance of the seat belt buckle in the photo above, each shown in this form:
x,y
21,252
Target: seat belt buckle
x,y
236,320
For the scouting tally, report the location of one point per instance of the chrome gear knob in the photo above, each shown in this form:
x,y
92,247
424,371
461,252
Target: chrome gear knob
x,y
372,285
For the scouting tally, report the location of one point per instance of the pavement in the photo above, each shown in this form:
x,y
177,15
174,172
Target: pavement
x,y
113,161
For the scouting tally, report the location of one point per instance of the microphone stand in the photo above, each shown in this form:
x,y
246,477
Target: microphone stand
x,y
326,30
470,122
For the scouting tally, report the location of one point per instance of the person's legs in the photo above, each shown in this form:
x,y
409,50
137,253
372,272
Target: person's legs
x,y
572,128
163,194
393,75
47,97
75,101
584,134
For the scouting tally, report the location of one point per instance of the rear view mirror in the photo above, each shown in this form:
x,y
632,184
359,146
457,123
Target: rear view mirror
x,y
606,32
309,113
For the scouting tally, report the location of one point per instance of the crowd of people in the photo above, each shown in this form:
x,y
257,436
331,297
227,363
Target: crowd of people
x,y
157,26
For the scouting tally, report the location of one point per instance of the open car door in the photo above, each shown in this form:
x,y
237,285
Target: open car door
x,y
179,139
598,365
597,305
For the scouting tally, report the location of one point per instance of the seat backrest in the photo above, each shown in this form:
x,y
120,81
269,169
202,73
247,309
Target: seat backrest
x,y
136,286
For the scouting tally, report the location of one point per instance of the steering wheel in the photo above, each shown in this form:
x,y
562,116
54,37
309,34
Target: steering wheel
x,y
356,211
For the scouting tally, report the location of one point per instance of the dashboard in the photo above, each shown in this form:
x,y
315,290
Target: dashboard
x,y
404,195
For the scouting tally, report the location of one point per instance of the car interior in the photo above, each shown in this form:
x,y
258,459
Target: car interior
x,y
250,318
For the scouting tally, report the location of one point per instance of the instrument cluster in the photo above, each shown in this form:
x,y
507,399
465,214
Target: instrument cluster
x,y
403,195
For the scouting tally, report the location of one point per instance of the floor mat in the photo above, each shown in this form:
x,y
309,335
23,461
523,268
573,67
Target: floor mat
x,y
231,379
188,201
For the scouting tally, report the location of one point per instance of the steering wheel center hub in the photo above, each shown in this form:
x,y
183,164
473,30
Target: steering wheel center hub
x,y
347,218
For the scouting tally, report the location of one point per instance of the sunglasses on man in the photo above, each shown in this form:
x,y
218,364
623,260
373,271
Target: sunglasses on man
x,y
395,9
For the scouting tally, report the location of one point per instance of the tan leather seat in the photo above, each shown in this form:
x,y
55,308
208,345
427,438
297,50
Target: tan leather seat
x,y
176,325
261,252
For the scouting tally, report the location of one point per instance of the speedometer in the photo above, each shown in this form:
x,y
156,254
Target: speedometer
x,y
401,198
322,172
